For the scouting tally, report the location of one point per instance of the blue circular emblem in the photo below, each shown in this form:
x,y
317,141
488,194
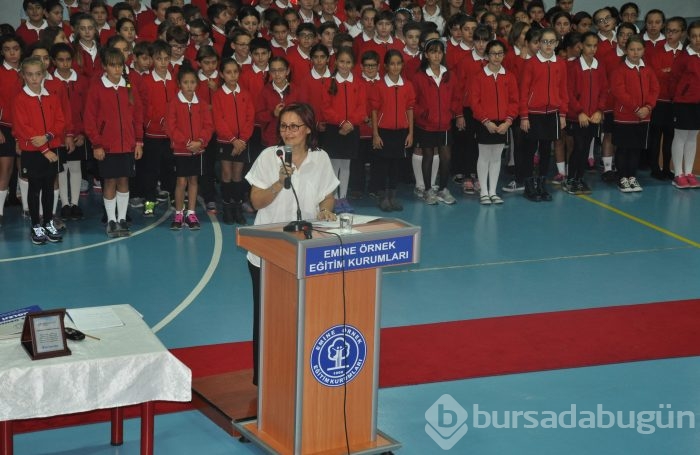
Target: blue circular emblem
x,y
338,355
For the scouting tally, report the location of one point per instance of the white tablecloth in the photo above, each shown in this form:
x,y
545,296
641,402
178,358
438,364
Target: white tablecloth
x,y
127,366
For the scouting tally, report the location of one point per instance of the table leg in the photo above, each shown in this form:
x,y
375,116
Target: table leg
x,y
147,413
117,426
6,437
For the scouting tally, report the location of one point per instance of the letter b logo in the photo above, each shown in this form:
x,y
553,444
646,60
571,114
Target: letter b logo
x,y
446,422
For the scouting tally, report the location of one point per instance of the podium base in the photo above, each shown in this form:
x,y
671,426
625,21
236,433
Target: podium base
x,y
248,428
227,397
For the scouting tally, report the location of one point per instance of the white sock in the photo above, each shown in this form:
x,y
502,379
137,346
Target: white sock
x,y
416,161
561,167
55,199
189,212
482,169
342,170
436,168
677,146
3,196
607,163
24,191
75,176
111,208
122,205
591,149
63,187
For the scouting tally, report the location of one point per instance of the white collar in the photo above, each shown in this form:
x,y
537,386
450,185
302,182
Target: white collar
x,y
257,70
209,43
668,48
280,91
390,83
340,79
228,91
690,51
619,51
476,56
137,71
141,10
287,45
217,29
157,78
72,78
105,26
374,79
634,67
90,50
584,65
488,71
603,38
325,74
517,50
542,58
426,14
177,62
408,52
44,92
247,61
389,41
455,43
464,46
107,83
653,41
48,76
282,5
366,37
429,72
307,19
303,55
182,98
8,67
43,25
203,77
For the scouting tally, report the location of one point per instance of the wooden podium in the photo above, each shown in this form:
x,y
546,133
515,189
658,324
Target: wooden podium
x,y
319,336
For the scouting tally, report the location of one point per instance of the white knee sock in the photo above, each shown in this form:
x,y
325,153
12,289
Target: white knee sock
x,y
488,167
55,199
689,151
111,208
63,187
494,168
24,192
677,146
75,176
482,169
607,163
416,161
122,205
3,196
436,167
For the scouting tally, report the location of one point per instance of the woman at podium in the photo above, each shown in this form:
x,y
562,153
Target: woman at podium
x,y
296,165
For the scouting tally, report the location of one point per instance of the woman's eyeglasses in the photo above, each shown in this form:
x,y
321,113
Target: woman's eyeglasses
x,y
293,127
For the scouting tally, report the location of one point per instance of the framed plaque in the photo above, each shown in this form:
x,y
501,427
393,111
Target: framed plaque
x,y
44,336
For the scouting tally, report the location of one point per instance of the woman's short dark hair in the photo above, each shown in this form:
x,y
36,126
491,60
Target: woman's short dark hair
x,y
306,114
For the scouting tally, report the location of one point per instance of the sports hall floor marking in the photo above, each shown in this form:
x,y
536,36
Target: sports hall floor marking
x,y
206,277
164,217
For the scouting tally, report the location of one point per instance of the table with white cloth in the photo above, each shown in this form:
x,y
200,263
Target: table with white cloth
x,y
128,365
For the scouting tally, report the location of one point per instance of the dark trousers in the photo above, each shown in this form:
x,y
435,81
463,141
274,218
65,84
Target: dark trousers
x,y
157,163
255,279
387,171
207,180
40,188
658,147
524,161
578,162
627,161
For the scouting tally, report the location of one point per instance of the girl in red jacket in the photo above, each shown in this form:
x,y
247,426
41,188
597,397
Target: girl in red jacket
x,y
38,128
10,86
635,89
588,92
437,104
113,122
494,101
392,104
234,118
685,90
189,126
345,108
87,59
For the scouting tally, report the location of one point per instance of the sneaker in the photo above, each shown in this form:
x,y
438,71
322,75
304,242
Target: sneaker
x,y
192,221
419,192
608,176
681,182
148,208
477,185
485,200
624,185
569,185
123,228
136,202
76,213
496,199
634,184
430,197
65,211
513,187
468,187
692,181
162,196
52,233
38,235
176,225
84,187
112,229
458,178
558,179
211,207
96,186
582,187
445,197
58,223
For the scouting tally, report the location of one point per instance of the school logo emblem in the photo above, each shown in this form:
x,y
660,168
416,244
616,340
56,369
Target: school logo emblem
x,y
338,355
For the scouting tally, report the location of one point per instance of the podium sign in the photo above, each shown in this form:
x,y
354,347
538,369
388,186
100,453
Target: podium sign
x,y
319,336
43,334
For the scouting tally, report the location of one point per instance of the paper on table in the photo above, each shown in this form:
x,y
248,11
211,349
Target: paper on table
x,y
94,318
356,219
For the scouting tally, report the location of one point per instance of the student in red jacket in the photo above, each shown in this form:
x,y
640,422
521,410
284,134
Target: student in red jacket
x,y
345,108
653,36
544,101
148,24
98,10
234,119
87,59
157,89
38,128
588,89
113,123
383,39
635,89
299,57
392,126
437,104
685,91
189,127
494,100
29,30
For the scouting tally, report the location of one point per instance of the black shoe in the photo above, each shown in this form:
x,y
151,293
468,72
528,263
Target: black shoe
x,y
123,228
657,174
238,215
76,213
38,235
668,175
609,177
66,212
229,215
542,190
112,229
52,233
531,192
582,187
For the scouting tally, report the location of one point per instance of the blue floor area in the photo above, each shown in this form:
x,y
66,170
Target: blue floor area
x,y
476,262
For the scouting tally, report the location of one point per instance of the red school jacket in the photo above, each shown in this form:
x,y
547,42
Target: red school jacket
x,y
76,89
234,115
113,117
37,116
204,92
348,104
633,88
10,85
685,75
661,62
266,100
156,93
436,105
85,65
187,122
588,88
392,102
494,99
470,66
543,87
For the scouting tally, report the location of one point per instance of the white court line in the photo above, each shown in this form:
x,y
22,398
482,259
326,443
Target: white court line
x,y
164,217
538,260
213,263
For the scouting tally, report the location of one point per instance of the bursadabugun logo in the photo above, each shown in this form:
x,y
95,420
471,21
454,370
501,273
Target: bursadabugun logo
x,y
446,422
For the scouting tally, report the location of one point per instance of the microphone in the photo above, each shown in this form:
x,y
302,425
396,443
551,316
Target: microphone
x,y
299,225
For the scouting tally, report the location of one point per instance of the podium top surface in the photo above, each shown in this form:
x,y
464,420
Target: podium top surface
x,y
385,241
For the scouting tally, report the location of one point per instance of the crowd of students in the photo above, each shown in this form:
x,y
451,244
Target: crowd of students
x,y
145,100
